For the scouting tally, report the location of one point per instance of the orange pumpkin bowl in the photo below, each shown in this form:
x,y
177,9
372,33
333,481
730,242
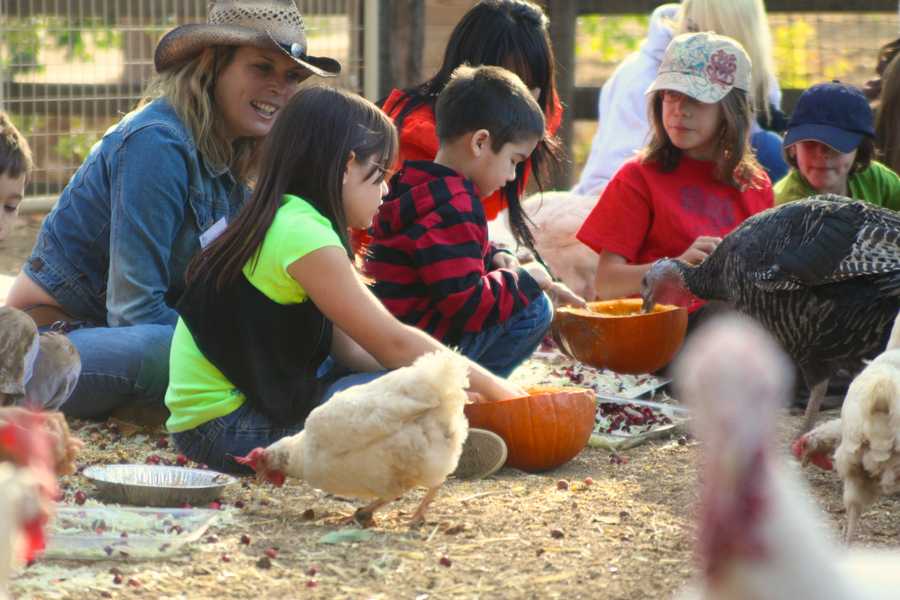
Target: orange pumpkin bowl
x,y
616,335
543,430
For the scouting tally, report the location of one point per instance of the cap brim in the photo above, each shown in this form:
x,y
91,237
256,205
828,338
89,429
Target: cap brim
x,y
839,139
187,41
690,85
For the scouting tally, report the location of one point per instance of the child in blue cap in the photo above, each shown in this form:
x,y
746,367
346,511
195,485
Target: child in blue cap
x,y
829,144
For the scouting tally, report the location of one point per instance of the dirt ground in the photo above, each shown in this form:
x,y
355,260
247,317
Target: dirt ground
x,y
513,535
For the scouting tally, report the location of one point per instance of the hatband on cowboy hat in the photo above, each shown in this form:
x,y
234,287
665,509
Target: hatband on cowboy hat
x,y
260,23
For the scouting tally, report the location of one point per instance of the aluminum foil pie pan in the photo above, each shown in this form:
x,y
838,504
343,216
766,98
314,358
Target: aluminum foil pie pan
x,y
157,485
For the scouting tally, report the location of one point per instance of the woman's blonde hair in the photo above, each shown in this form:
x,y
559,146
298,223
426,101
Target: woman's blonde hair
x,y
747,22
190,88
736,164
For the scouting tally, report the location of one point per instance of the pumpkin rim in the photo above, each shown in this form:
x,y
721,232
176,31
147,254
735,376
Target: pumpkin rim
x,y
586,313
546,391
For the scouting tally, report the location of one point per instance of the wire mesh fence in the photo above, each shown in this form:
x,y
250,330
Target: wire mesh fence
x,y
71,68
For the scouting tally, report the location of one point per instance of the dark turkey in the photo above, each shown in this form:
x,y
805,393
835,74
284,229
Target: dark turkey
x,y
822,274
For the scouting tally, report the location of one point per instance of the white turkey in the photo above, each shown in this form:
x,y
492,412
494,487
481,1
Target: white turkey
x,y
759,536
821,274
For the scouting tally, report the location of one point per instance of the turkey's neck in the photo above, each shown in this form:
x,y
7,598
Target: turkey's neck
x,y
704,280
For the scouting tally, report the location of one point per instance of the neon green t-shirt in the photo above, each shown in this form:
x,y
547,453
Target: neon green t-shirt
x,y
198,392
876,184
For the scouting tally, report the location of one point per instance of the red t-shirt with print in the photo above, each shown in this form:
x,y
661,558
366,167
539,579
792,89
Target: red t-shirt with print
x,y
644,214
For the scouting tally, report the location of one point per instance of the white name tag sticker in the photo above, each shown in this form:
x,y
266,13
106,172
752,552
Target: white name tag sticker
x,y
215,230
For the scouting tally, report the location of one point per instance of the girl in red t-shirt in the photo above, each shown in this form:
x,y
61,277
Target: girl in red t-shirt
x,y
507,33
696,179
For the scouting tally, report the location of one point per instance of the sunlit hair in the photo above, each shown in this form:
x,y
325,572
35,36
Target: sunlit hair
x,y
745,21
887,119
15,154
190,88
511,34
735,163
305,155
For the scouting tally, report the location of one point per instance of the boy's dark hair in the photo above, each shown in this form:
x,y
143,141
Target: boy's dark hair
x,y
512,34
15,154
490,98
865,152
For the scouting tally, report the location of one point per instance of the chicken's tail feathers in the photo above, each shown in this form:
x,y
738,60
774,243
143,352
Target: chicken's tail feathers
x,y
447,373
877,391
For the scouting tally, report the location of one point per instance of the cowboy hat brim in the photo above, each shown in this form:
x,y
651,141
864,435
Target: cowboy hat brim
x,y
186,41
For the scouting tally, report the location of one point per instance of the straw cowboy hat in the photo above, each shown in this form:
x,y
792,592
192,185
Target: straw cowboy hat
x,y
261,23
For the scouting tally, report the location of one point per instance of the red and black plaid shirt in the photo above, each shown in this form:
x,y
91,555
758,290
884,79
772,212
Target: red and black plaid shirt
x,y
431,261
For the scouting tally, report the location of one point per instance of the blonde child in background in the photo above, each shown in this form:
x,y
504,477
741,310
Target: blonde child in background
x,y
830,146
695,181
15,166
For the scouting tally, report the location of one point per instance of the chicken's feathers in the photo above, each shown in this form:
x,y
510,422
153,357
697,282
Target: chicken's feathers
x,y
365,414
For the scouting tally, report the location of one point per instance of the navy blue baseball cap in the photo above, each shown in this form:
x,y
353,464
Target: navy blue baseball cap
x,y
836,114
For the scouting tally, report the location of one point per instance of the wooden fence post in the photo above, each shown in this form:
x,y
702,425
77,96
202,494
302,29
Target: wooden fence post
x,y
562,15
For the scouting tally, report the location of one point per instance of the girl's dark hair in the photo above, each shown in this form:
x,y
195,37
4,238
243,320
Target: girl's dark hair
x,y
735,163
305,154
511,34
887,117
865,152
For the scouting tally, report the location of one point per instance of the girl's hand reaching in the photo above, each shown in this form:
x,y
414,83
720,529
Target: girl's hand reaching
x,y
702,247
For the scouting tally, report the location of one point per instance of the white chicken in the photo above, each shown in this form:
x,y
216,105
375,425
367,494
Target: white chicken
x,y
556,218
759,535
868,457
818,445
380,439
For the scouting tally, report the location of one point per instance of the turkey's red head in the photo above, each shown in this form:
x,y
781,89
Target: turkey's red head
x,y
258,460
801,453
664,283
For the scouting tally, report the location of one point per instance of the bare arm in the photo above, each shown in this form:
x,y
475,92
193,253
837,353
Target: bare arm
x,y
329,279
351,355
617,279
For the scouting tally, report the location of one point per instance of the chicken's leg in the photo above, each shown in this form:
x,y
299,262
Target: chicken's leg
x,y
816,395
853,511
419,516
364,515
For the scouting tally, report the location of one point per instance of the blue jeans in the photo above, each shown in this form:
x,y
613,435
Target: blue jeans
x,y
504,347
119,366
216,442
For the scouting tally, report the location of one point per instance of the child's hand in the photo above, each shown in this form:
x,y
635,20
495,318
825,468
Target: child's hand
x,y
561,295
539,274
505,260
702,247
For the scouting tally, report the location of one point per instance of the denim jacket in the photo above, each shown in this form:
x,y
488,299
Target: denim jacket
x,y
115,248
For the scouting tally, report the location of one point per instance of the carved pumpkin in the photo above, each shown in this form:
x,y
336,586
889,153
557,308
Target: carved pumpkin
x,y
616,335
543,430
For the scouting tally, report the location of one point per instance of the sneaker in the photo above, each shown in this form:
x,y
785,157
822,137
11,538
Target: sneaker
x,y
483,454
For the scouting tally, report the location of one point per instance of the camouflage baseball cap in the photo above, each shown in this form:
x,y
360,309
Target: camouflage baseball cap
x,y
704,66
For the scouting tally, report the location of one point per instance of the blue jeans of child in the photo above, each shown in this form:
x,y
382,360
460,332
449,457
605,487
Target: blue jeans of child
x,y
504,347
216,442
119,366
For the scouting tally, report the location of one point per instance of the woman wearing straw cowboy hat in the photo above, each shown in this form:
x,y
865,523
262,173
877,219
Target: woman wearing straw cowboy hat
x,y
162,183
